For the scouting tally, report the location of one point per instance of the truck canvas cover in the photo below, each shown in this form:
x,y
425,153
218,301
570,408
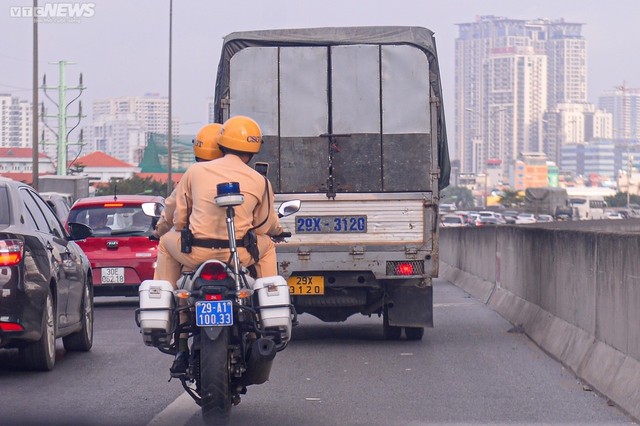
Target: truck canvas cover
x,y
336,102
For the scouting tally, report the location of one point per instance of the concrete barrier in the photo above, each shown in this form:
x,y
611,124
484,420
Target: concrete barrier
x,y
573,286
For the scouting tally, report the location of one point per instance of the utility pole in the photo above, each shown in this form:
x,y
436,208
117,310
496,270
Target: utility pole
x,y
629,174
62,134
170,132
34,107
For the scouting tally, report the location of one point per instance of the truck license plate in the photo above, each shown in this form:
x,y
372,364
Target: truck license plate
x,y
112,275
306,286
214,313
331,224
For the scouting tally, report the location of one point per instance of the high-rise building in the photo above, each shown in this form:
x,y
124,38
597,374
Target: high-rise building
x,y
121,125
15,121
510,72
624,105
210,114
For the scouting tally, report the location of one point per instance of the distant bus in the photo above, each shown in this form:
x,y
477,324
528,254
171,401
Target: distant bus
x,y
590,207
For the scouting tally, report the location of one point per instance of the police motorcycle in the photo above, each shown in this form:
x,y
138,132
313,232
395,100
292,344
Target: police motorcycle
x,y
236,323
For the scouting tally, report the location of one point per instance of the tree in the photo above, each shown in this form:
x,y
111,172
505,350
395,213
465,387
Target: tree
x,y
135,185
511,198
460,196
620,199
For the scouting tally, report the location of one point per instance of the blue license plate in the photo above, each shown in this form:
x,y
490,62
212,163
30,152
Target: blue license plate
x,y
331,224
214,313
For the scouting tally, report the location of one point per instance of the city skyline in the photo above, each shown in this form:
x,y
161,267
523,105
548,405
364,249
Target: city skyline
x,y
120,55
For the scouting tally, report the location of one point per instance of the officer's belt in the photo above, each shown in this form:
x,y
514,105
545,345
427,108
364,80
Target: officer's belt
x,y
212,243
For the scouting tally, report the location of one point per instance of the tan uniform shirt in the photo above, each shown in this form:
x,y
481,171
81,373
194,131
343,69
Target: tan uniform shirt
x,y
197,191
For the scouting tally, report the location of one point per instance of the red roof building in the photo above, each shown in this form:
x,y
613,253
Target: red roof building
x,y
101,167
17,164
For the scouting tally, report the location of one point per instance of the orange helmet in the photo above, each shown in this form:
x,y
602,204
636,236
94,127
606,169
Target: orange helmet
x,y
242,134
205,145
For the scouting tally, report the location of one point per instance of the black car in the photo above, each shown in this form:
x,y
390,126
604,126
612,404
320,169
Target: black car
x,y
46,290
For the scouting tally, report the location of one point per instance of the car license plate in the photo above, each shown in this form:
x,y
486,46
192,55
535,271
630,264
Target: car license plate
x,y
112,275
214,313
331,224
306,286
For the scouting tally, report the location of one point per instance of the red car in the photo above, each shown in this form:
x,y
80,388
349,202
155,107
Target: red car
x,y
121,250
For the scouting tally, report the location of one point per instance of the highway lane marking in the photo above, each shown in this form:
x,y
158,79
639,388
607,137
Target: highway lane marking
x,y
178,413
445,305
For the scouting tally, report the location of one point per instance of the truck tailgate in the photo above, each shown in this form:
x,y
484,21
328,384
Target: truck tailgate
x,y
391,219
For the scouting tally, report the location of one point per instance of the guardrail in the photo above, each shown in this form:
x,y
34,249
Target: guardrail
x,y
573,286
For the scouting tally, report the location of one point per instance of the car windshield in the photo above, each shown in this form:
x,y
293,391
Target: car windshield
x,y
108,222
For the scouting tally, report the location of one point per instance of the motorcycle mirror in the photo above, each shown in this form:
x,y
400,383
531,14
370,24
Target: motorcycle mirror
x,y
288,208
152,209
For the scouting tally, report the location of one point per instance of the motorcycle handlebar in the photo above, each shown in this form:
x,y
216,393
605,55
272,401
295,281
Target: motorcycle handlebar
x,y
282,235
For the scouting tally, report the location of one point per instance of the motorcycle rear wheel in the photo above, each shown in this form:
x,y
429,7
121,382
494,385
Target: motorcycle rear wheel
x,y
214,378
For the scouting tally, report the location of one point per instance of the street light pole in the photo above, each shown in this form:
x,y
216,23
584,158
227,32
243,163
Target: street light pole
x,y
170,131
34,107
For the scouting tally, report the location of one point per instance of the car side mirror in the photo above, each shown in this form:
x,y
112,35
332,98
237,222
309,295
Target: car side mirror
x,y
79,231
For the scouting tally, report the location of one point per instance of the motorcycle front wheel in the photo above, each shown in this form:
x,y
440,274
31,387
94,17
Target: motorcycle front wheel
x,y
214,378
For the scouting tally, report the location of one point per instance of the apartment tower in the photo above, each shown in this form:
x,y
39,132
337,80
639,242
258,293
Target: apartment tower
x,y
508,73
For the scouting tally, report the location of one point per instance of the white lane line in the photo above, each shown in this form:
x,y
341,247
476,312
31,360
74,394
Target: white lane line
x,y
177,413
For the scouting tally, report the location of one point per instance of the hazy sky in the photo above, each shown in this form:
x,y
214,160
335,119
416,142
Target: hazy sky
x,y
122,50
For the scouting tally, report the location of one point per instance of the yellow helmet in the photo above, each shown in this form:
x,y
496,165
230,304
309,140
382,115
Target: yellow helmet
x,y
205,145
242,134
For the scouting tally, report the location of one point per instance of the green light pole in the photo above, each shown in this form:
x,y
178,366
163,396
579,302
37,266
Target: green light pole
x,y
62,116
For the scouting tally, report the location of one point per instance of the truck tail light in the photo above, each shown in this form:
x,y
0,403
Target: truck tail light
x,y
406,267
11,252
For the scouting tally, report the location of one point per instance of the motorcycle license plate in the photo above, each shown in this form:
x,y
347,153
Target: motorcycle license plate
x,y
306,286
214,313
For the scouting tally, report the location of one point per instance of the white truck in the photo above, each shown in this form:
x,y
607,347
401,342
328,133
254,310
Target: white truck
x,y
353,125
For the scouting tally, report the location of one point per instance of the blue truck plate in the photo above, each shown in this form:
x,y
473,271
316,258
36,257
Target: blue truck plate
x,y
213,313
331,224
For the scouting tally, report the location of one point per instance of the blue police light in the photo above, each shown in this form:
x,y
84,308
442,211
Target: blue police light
x,y
228,188
229,194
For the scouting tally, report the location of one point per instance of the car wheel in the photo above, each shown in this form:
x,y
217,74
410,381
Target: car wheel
x,y
390,332
41,355
82,340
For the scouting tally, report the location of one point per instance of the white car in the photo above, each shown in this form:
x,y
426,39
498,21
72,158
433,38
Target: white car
x,y
449,220
525,218
545,218
447,208
613,215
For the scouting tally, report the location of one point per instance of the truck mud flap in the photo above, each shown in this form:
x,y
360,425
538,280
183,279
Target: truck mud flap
x,y
410,306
